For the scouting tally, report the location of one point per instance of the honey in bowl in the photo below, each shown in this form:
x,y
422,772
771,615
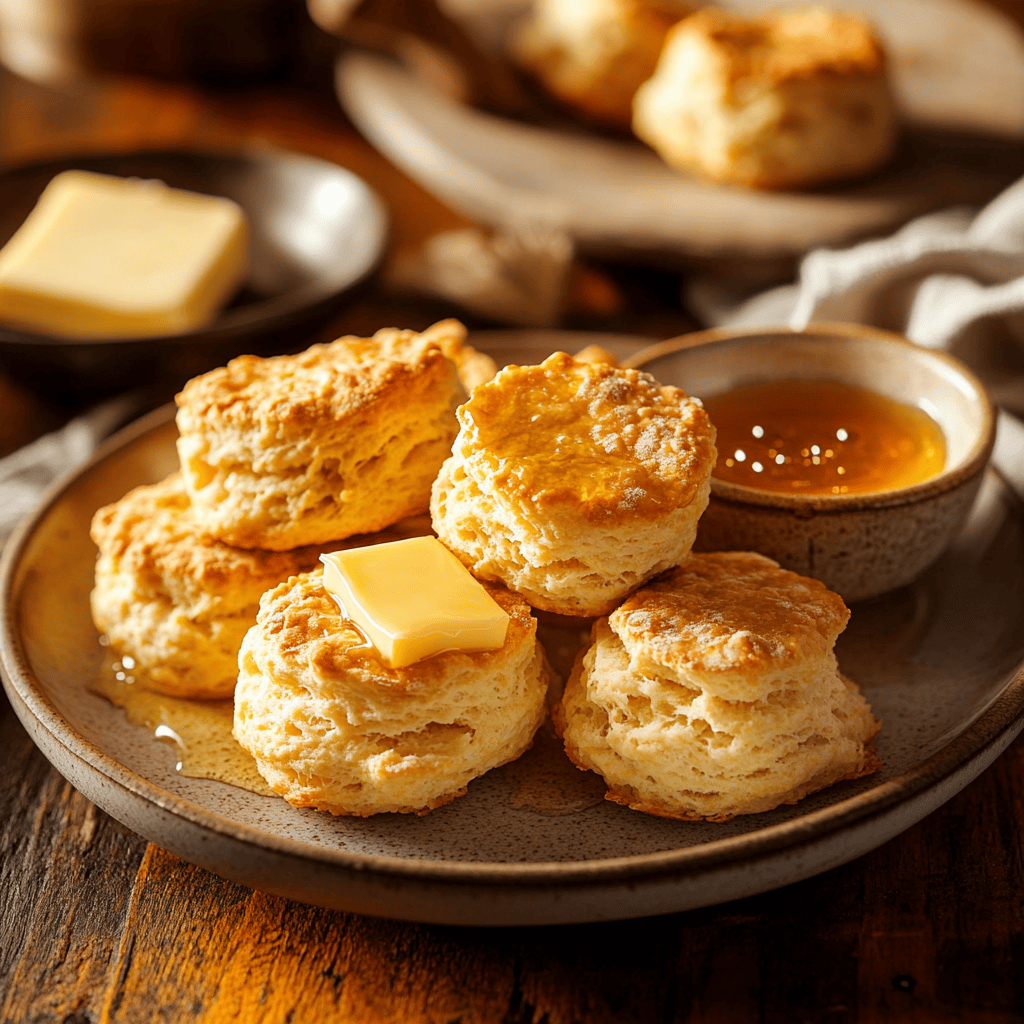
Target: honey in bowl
x,y
822,437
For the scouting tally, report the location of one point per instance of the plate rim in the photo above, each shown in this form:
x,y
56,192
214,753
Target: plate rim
x,y
1000,719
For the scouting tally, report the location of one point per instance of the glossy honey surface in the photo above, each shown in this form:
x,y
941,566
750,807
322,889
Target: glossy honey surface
x,y
822,437
199,729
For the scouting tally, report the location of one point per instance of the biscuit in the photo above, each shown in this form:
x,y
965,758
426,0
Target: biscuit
x,y
573,483
714,691
341,439
473,367
332,726
596,354
786,100
175,603
594,54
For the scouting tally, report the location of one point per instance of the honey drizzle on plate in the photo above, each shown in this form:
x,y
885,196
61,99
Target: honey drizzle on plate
x,y
822,437
201,729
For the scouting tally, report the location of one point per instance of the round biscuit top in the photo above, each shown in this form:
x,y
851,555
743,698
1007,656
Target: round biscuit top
x,y
304,624
588,436
730,611
786,44
151,531
292,395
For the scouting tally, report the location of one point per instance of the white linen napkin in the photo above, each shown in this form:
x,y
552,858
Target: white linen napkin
x,y
27,473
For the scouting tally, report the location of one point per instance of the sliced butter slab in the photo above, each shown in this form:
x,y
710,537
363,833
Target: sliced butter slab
x,y
413,599
101,256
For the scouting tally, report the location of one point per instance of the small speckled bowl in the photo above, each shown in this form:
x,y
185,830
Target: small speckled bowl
x,y
860,545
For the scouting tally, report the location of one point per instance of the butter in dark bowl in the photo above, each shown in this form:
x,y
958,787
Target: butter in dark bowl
x,y
796,500
315,233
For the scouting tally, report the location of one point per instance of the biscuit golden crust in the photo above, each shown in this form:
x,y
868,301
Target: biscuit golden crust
x,y
789,99
791,44
573,483
179,605
341,439
696,700
765,620
595,54
332,726
473,367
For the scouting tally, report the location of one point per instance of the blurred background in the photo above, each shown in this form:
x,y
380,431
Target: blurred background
x,y
250,77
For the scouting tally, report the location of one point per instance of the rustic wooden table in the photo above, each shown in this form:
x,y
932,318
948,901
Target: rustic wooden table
x,y
98,925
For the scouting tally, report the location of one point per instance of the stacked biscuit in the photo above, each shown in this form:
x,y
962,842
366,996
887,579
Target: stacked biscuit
x,y
784,100
573,487
175,601
573,483
715,691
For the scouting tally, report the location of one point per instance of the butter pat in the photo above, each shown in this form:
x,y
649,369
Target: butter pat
x,y
120,257
412,599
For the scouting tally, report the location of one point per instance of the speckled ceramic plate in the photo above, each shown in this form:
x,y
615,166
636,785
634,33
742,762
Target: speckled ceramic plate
x,y
942,663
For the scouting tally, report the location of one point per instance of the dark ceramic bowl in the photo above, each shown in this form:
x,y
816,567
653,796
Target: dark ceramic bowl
x,y
316,232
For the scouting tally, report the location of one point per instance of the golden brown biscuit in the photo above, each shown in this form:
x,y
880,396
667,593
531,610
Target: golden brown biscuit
x,y
341,439
176,604
785,100
714,691
596,354
573,483
473,367
332,726
594,54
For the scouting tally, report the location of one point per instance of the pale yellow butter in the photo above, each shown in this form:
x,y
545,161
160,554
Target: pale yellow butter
x,y
413,599
121,257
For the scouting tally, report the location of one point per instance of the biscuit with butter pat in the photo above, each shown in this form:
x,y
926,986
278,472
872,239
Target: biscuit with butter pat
x,y
715,691
783,100
175,603
574,483
333,726
341,439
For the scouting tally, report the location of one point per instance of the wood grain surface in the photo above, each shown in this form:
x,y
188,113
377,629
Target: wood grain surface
x,y
97,925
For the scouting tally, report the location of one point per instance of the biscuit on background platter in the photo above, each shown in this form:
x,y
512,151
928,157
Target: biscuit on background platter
x,y
333,726
342,439
573,483
774,101
177,604
714,691
593,55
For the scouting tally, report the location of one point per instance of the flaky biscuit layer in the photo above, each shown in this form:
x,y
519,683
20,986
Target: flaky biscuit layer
x,y
332,727
179,605
574,483
341,439
733,619
720,703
